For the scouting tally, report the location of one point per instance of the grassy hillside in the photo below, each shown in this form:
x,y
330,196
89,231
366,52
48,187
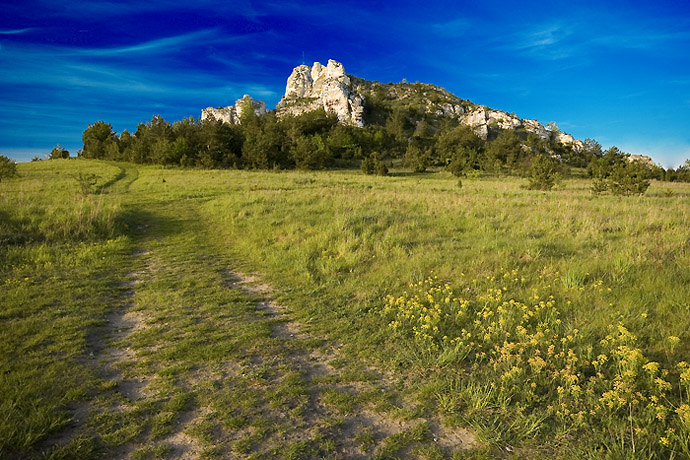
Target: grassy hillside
x,y
406,317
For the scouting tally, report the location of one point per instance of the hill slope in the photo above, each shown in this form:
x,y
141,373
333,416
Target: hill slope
x,y
358,102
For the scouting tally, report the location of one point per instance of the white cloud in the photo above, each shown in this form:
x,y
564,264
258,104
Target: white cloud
x,y
168,44
17,31
454,28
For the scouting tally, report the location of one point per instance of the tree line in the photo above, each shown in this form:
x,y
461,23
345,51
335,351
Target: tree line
x,y
315,140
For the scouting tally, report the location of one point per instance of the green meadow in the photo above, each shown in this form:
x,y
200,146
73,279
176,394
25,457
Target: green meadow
x,y
155,313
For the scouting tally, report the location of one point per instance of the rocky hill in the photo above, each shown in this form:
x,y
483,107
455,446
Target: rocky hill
x,y
231,114
359,102
311,88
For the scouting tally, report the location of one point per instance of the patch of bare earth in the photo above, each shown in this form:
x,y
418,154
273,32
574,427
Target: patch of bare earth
x,y
122,327
183,446
121,323
318,372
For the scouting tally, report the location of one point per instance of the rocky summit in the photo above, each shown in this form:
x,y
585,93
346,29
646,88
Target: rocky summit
x,y
355,102
231,114
329,87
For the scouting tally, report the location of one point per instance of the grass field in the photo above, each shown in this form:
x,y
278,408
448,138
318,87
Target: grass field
x,y
178,313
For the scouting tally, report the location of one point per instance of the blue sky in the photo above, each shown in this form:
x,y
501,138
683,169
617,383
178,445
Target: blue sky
x,y
618,72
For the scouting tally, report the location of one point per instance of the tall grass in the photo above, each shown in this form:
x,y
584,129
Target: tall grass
x,y
337,244
58,254
340,243
48,204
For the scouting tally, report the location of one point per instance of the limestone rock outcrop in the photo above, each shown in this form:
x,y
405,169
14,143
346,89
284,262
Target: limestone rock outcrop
x,y
482,118
477,120
644,159
567,139
231,114
329,87
533,126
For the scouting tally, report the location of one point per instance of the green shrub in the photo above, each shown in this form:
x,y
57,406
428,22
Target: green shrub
x,y
544,173
417,159
372,165
87,182
367,165
8,168
380,168
629,178
599,185
58,153
616,173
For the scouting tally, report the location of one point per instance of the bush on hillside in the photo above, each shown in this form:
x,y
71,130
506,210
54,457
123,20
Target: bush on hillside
x,y
631,178
372,165
87,182
58,153
380,168
614,172
417,159
367,165
8,168
544,173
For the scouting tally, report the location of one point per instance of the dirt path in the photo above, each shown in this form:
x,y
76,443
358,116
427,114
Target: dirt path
x,y
199,361
324,379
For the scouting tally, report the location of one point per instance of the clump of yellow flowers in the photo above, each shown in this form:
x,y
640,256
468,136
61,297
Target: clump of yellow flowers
x,y
525,348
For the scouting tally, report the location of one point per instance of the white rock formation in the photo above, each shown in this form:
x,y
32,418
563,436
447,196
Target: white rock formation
x,y
299,83
644,159
567,139
477,120
533,126
482,118
503,120
330,88
446,110
231,114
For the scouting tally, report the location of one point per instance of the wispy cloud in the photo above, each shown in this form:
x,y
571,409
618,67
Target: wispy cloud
x,y
540,38
454,28
71,83
577,38
638,40
542,42
17,31
167,44
262,91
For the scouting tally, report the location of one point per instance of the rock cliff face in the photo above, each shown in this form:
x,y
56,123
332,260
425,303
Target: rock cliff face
x,y
231,114
644,159
483,118
567,139
329,87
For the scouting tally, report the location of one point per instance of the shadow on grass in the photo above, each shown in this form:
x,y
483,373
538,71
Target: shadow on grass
x,y
134,223
124,178
10,231
418,175
142,225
